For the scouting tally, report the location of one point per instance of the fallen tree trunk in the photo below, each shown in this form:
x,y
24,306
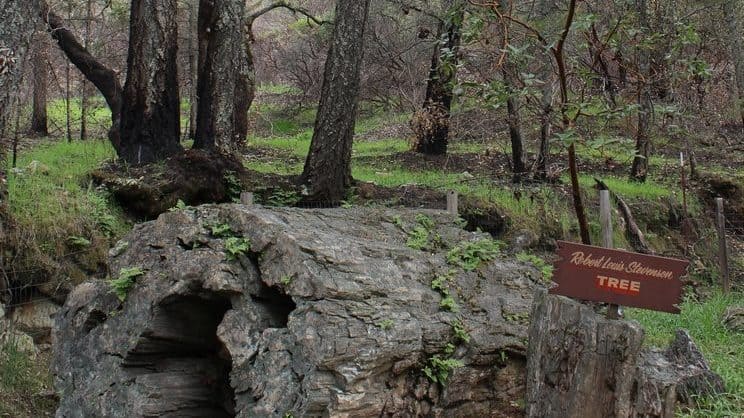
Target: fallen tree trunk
x,y
328,313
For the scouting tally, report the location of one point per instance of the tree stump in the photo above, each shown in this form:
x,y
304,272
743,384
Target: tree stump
x,y
581,364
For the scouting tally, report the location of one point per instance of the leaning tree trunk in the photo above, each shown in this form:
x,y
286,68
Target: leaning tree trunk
x,y
431,123
39,59
327,172
730,13
639,170
104,78
151,109
224,92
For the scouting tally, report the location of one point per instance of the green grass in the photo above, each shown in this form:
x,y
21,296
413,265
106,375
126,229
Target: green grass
x,y
625,188
279,89
55,202
722,348
298,144
366,122
22,379
380,147
275,167
98,113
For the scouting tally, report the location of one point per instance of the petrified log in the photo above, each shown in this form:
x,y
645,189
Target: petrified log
x,y
328,313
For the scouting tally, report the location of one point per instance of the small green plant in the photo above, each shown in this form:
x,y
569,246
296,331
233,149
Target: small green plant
x,y
283,198
425,221
470,254
462,223
449,349
125,281
448,304
385,324
80,242
438,369
236,246
286,280
418,238
180,205
440,285
221,230
397,221
517,317
461,334
233,187
545,269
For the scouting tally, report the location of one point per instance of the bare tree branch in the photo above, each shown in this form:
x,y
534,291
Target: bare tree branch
x,y
286,5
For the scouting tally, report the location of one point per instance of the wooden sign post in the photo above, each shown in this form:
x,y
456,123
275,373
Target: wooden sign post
x,y
618,277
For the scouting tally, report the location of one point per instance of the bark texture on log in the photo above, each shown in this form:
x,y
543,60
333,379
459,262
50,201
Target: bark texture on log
x,y
327,171
151,109
581,364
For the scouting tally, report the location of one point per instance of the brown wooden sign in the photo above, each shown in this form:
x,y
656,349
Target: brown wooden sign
x,y
618,277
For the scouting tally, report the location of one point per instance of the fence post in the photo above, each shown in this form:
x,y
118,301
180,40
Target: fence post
x,y
722,248
246,198
452,203
605,221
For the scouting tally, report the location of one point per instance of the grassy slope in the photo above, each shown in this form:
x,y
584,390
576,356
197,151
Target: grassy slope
x,y
58,211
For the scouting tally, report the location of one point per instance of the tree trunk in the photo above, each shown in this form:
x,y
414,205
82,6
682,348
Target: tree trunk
x,y
39,59
639,170
327,172
104,78
730,12
509,73
245,88
16,31
83,83
150,108
519,166
544,10
193,6
580,364
224,89
431,124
